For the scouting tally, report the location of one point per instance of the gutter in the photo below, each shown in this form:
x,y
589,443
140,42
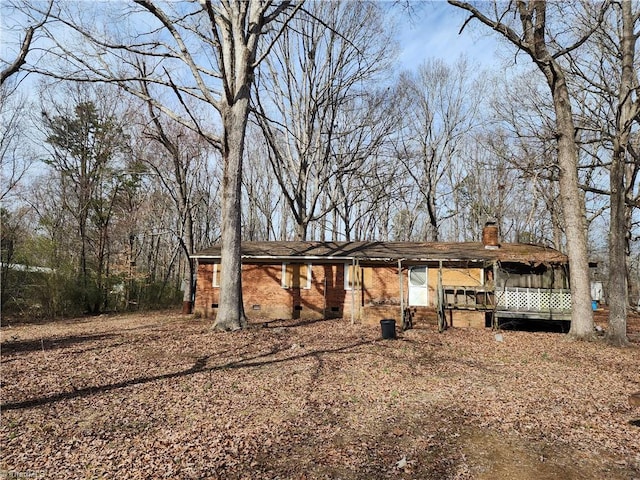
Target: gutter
x,y
283,257
345,259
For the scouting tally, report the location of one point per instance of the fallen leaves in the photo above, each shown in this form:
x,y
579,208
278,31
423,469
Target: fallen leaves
x,y
160,396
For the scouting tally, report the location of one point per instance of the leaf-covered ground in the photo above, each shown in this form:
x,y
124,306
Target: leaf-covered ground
x,y
161,396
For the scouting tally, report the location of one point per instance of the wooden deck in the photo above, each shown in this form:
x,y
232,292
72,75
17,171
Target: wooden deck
x,y
509,302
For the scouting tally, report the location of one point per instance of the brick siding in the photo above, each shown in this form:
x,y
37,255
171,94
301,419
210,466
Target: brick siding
x,y
376,297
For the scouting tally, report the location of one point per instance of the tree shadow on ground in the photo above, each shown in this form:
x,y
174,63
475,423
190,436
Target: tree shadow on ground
x,y
21,346
284,323
199,366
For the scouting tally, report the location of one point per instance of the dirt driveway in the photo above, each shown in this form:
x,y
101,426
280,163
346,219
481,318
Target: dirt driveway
x,y
160,396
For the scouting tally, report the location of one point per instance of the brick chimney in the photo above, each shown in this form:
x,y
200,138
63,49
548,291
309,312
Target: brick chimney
x,y
490,236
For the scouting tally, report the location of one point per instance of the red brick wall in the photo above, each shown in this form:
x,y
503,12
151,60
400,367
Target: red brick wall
x,y
205,293
382,286
265,298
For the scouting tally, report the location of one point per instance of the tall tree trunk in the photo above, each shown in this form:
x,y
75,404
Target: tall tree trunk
x,y
618,294
190,262
433,216
284,212
533,40
231,315
84,269
301,231
617,297
573,209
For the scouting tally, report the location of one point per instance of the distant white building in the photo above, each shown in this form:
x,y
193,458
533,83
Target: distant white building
x,y
26,268
597,291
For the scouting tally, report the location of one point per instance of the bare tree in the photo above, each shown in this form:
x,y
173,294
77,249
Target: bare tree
x,y
15,161
522,139
365,202
483,186
374,118
13,164
441,109
180,163
606,79
262,197
12,67
203,52
313,105
533,35
624,153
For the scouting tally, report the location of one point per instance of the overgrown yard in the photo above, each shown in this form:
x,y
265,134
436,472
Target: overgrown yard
x,y
160,396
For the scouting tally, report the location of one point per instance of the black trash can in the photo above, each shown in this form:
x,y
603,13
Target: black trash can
x,y
388,326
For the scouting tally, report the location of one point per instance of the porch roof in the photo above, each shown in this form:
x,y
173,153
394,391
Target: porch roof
x,y
392,251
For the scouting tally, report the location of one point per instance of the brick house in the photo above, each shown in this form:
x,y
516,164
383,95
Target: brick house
x,y
461,284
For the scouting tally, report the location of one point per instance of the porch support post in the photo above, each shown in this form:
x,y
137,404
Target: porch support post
x,y
440,301
324,295
495,296
352,279
401,289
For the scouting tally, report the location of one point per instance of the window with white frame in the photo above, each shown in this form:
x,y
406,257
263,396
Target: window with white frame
x,y
352,276
216,274
296,275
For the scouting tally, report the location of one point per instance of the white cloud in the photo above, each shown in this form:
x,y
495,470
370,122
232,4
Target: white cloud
x,y
432,32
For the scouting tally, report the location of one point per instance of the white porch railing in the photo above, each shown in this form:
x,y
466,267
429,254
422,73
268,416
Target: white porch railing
x,y
533,299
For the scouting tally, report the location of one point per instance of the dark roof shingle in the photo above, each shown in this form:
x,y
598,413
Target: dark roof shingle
x,y
388,251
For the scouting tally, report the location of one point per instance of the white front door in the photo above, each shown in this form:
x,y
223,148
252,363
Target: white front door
x,y
418,290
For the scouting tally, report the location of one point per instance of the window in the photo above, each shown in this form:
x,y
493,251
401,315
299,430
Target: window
x,y
216,274
418,276
296,275
357,276
352,274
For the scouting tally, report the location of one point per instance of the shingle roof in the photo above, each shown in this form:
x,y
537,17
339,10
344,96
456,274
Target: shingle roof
x,y
388,251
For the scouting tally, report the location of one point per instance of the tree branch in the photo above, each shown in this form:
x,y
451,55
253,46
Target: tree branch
x,y
498,26
20,59
283,6
184,51
587,35
24,48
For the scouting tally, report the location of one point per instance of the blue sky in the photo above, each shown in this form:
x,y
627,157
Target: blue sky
x,y
432,32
